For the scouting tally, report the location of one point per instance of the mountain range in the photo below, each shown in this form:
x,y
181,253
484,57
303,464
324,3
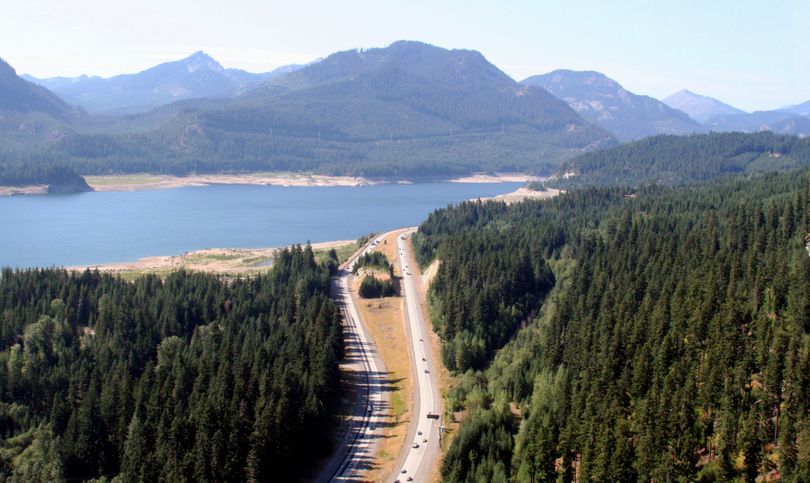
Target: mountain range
x,y
605,102
196,76
780,121
409,110
406,110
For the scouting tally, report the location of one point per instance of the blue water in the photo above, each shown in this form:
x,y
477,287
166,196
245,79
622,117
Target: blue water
x,y
95,228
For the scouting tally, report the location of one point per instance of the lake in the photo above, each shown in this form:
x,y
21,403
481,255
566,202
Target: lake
x,y
95,228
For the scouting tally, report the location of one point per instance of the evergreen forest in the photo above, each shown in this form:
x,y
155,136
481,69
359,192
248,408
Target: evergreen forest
x,y
618,334
191,377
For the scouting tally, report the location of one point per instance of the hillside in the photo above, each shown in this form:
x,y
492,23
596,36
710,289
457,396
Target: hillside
x,y
672,160
20,96
698,107
196,76
676,313
407,110
605,102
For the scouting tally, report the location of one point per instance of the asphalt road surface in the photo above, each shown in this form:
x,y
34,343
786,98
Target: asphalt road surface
x,y
360,442
422,445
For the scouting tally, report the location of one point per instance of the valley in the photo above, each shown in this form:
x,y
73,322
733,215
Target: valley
x,y
456,242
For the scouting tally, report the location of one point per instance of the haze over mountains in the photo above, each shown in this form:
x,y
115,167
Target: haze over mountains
x,y
700,108
409,110
196,76
17,95
604,101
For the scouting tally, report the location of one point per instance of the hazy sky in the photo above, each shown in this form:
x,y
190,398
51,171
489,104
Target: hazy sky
x,y
751,54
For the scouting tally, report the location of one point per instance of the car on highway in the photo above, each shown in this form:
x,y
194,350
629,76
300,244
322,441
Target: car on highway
x,y
415,445
419,433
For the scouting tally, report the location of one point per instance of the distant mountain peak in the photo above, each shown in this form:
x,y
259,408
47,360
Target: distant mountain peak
x,y
699,107
199,60
601,99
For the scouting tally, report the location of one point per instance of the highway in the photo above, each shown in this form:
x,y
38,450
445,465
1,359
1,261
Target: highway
x,y
369,410
422,443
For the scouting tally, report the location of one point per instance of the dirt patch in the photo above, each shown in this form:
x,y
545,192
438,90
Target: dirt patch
x,y
524,193
428,275
234,261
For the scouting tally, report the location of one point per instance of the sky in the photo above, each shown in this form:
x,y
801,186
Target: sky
x,y
752,54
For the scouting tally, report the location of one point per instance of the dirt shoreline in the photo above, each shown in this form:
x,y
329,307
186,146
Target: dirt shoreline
x,y
510,177
146,181
137,182
215,260
34,189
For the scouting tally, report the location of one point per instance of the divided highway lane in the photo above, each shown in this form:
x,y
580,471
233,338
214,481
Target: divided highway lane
x,y
423,447
362,435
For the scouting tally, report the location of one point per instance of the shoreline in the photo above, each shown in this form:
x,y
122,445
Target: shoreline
x,y
146,181
212,260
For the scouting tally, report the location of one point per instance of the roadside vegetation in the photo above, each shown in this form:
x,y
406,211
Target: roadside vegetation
x,y
375,260
373,287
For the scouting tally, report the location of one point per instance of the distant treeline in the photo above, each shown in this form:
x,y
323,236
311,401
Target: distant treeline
x,y
675,344
59,178
672,160
190,378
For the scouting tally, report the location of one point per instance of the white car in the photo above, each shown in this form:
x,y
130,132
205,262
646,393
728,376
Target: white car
x,y
415,445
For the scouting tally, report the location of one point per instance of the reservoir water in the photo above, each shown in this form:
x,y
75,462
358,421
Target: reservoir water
x,y
96,228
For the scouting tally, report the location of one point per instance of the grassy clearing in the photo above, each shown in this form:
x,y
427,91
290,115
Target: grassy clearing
x,y
205,259
343,252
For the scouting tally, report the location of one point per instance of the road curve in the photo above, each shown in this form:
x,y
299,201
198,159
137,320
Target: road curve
x,y
359,445
421,449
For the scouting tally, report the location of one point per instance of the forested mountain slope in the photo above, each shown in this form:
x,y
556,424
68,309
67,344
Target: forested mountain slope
x,y
187,378
674,345
686,159
407,110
